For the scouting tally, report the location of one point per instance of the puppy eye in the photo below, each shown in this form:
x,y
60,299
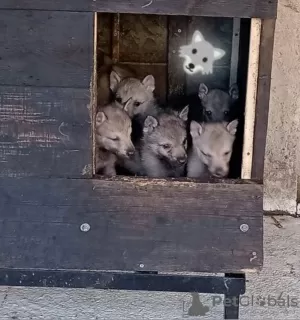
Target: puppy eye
x,y
226,113
205,154
166,146
136,104
194,51
184,141
115,139
208,112
226,153
118,99
204,59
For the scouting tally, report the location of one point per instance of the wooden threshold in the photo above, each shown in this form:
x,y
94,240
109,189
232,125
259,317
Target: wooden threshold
x,y
130,224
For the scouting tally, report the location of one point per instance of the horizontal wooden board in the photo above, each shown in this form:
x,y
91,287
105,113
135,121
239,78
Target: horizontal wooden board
x,y
135,224
218,8
44,132
39,48
229,285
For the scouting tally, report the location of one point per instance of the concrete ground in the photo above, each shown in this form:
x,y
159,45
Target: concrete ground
x,y
274,293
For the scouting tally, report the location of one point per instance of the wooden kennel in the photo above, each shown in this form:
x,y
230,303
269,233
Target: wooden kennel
x,y
60,226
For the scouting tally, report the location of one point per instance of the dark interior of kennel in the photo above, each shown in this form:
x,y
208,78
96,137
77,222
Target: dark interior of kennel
x,y
148,44
138,226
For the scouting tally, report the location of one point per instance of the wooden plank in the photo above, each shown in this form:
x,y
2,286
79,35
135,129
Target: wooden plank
x,y
263,97
177,36
143,38
50,49
135,224
251,94
123,281
44,132
213,8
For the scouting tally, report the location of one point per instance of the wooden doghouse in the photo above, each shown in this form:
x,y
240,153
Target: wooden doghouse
x,y
61,225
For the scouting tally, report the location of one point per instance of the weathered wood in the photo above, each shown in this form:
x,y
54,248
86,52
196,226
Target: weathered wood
x,y
263,97
251,94
213,8
143,38
135,224
44,132
122,281
40,48
177,36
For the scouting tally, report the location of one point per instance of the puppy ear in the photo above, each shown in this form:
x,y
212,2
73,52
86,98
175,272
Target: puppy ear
x,y
197,37
234,91
184,113
114,79
218,53
100,118
126,107
203,91
150,124
232,126
196,129
149,82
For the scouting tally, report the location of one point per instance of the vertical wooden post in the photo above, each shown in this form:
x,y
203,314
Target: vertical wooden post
x,y
251,94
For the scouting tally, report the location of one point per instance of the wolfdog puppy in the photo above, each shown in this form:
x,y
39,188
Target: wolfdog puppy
x,y
163,150
113,138
212,148
140,93
217,104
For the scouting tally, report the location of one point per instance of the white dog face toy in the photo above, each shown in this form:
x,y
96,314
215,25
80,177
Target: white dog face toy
x,y
199,55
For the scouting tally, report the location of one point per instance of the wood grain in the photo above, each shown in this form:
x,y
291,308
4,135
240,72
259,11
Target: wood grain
x,y
263,97
143,38
164,225
177,37
213,8
44,132
50,49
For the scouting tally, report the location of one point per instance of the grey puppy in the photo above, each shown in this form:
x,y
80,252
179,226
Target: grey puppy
x,y
113,138
212,148
217,104
138,93
163,150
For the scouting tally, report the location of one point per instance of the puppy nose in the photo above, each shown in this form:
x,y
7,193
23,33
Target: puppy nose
x,y
191,66
181,159
219,172
130,152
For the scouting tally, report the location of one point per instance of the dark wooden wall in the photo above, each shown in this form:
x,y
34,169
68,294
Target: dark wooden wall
x,y
46,61
46,64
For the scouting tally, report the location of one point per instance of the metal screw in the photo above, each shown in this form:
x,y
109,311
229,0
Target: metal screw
x,y
174,51
142,265
179,30
244,227
85,227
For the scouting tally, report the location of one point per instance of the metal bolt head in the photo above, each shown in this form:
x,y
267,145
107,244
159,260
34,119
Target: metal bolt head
x,y
85,227
244,227
179,30
142,265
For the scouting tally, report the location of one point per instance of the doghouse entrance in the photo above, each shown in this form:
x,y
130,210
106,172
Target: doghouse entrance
x,y
149,44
